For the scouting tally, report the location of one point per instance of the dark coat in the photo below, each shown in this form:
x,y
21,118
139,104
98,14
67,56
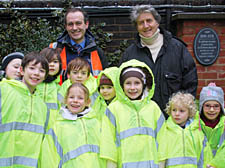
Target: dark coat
x,y
174,69
90,45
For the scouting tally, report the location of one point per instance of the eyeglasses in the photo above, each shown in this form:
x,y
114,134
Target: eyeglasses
x,y
215,107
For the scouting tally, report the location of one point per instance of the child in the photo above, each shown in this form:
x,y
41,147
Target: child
x,y
23,115
11,65
211,107
48,90
74,139
78,71
131,123
182,144
107,92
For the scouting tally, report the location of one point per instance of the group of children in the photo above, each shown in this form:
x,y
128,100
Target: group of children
x,y
106,122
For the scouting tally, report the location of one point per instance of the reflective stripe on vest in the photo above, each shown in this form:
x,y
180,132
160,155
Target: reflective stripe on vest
x,y
71,154
160,122
134,131
201,159
63,58
53,45
79,151
137,131
96,64
93,97
181,161
47,115
53,106
21,126
57,145
18,160
222,138
60,98
141,164
112,119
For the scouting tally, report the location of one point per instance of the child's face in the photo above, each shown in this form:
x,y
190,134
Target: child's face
x,y
211,109
33,75
54,66
180,114
133,87
107,91
76,100
78,76
13,69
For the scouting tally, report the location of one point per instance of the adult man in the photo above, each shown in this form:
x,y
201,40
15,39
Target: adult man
x,y
172,65
77,41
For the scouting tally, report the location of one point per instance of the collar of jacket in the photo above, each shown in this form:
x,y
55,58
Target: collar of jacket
x,y
65,39
18,85
192,125
166,38
66,114
136,104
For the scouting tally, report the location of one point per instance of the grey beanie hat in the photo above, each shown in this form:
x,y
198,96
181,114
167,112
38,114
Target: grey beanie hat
x,y
211,93
10,57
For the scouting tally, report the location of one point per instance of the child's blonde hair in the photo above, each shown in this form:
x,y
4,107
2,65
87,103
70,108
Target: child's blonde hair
x,y
77,85
77,64
185,99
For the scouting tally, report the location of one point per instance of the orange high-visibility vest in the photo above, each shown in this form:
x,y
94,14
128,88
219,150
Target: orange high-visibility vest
x,y
96,64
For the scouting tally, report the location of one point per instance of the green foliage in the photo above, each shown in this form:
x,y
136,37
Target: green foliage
x,y
114,57
26,34
101,37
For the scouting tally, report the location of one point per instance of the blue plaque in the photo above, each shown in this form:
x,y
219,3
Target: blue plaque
x,y
206,46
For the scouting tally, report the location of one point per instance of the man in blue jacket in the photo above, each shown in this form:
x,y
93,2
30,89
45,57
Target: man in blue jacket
x,y
77,41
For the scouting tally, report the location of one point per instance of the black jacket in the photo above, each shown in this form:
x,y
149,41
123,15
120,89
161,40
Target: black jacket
x,y
90,45
173,70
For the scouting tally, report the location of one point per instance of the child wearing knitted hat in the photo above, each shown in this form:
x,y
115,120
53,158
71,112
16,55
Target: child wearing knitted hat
x,y
212,121
211,109
11,65
131,123
106,90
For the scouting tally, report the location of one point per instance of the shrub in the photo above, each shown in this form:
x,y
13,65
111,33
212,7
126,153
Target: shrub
x,y
25,34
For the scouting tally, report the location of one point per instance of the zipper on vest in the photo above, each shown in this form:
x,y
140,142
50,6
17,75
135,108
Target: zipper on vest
x,y
138,118
183,142
85,130
45,86
31,109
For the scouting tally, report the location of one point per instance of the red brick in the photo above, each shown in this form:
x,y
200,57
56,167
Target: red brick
x,y
194,23
201,68
223,30
190,47
198,92
222,45
201,82
207,75
221,60
216,68
188,31
220,82
222,53
221,75
188,38
222,37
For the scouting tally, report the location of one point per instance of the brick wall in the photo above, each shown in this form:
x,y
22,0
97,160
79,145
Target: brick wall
x,y
187,30
120,26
